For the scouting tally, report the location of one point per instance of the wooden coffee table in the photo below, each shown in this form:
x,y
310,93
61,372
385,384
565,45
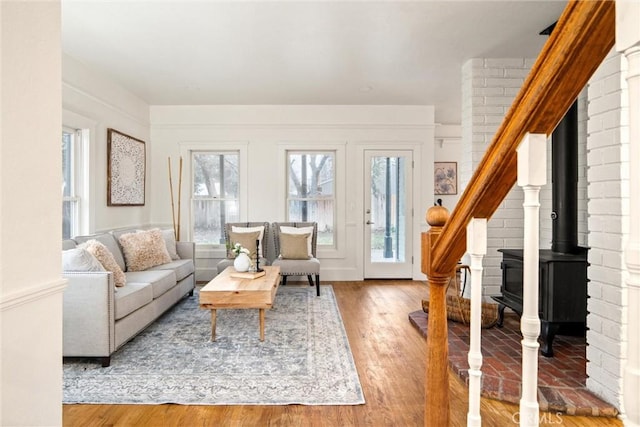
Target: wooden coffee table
x,y
225,291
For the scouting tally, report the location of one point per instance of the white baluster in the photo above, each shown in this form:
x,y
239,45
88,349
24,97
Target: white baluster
x,y
628,41
477,248
532,154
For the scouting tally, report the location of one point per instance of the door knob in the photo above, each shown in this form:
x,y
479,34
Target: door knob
x,y
369,222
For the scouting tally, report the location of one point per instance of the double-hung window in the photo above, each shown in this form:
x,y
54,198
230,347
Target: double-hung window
x,y
71,181
215,194
311,191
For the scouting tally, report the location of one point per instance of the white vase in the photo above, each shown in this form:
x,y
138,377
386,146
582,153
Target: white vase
x,y
242,262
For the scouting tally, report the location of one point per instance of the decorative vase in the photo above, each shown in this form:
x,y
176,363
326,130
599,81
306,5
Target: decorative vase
x,y
242,262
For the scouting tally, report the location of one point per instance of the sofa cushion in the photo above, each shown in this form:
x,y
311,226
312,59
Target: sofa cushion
x,y
110,242
131,297
294,246
181,267
80,259
160,280
104,255
144,249
170,242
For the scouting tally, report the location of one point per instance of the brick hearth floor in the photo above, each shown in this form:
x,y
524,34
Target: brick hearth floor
x,y
561,379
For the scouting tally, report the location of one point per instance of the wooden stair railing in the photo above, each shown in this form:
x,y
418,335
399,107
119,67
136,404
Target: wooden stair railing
x,y
583,36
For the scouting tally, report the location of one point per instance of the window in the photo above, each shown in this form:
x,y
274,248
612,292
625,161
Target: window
x,y
310,192
215,195
71,178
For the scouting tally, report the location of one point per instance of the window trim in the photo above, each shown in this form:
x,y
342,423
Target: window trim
x,y
186,150
338,250
86,130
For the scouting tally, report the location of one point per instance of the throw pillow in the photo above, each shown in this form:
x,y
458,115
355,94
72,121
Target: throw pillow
x,y
107,260
79,259
144,249
300,230
294,246
260,228
247,240
170,242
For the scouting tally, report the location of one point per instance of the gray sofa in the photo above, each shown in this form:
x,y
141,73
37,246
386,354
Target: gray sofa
x,y
100,318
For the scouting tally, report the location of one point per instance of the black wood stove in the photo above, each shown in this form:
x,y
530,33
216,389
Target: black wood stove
x,y
563,268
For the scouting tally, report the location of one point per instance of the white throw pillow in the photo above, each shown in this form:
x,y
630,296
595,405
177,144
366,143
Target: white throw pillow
x,y
300,230
79,259
259,228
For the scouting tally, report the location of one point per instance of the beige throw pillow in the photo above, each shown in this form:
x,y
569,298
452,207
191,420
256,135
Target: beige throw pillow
x,y
293,246
170,242
300,230
259,228
247,240
107,260
144,249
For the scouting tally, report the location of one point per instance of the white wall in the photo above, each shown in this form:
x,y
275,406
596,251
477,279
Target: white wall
x,y
92,101
448,148
30,217
608,189
266,131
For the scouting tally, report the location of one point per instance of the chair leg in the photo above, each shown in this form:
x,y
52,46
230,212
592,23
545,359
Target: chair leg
x,y
284,280
318,284
310,279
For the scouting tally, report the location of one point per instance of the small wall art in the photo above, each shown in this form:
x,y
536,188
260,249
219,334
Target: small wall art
x,y
445,178
126,164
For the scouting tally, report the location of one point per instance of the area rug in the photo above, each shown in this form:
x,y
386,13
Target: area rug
x,y
304,359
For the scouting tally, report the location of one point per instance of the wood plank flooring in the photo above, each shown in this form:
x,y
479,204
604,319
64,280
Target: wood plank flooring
x,y
390,357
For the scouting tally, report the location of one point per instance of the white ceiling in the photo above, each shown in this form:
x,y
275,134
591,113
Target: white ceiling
x,y
300,52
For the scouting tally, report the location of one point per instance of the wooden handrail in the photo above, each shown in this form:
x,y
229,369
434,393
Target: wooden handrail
x,y
584,35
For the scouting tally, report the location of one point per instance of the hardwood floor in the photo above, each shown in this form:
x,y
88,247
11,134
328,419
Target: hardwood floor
x,y
389,354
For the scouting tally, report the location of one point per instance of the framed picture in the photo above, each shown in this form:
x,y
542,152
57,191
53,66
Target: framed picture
x,y
126,164
445,178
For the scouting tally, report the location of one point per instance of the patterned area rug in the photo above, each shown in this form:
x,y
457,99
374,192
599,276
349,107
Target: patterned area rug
x,y
304,359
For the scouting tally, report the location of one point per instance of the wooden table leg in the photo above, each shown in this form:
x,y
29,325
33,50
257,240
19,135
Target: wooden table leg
x,y
262,324
213,324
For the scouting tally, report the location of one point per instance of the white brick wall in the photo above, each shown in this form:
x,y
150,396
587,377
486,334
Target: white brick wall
x,y
608,221
488,88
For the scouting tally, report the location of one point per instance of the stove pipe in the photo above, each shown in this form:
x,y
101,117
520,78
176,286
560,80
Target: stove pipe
x,y
564,178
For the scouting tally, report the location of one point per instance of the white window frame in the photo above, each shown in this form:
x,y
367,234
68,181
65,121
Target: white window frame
x,y
337,250
186,151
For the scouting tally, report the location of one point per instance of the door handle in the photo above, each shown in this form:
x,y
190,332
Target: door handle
x,y
369,222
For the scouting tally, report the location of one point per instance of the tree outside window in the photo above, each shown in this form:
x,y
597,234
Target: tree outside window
x,y
215,195
311,193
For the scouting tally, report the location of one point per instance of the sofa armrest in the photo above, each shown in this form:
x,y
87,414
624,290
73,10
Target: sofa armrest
x,y
186,250
88,314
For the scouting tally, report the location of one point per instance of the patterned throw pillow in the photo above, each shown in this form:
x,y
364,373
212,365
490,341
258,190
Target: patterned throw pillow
x,y
144,249
107,260
294,246
247,240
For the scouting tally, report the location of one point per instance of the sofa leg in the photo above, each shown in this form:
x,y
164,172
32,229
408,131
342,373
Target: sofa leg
x,y
318,284
191,293
106,361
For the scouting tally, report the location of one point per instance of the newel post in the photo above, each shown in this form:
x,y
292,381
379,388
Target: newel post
x,y
437,374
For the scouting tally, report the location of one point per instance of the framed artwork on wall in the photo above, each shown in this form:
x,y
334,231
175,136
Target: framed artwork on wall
x,y
126,164
445,178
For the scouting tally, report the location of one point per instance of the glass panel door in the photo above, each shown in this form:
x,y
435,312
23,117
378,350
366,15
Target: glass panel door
x,y
387,216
